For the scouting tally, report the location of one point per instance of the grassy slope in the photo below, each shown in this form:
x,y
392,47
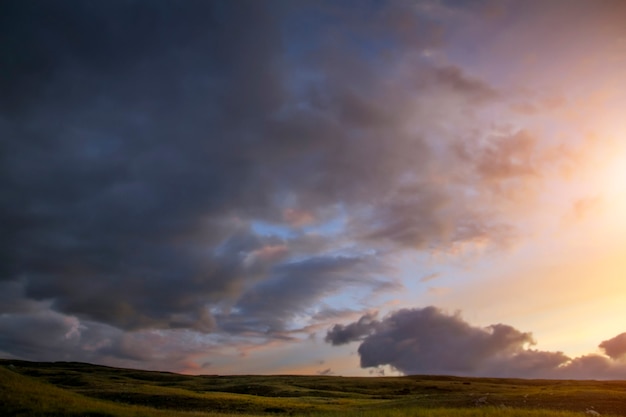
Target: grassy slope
x,y
67,389
25,396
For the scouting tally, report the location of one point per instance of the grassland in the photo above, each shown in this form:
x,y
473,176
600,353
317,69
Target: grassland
x,y
77,389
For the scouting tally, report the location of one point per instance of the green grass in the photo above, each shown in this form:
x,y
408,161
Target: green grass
x,y
76,389
24,396
457,412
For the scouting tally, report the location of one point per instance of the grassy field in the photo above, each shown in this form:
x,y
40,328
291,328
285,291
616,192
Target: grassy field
x,y
76,389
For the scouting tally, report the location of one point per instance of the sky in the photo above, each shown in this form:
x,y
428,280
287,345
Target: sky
x,y
315,187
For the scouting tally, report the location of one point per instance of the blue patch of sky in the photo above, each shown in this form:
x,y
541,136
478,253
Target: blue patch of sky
x,y
334,226
352,298
273,229
359,297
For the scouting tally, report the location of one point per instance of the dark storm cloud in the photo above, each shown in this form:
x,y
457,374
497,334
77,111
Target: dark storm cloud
x,y
42,334
157,285
48,335
121,165
430,341
79,48
141,142
13,299
140,138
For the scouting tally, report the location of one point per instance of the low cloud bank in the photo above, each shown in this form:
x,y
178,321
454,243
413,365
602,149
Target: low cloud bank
x,y
430,341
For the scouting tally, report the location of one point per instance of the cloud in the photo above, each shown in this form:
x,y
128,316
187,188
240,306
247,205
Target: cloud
x,y
142,143
591,366
107,225
46,335
12,299
584,206
295,287
168,145
340,334
49,333
430,341
456,80
615,348
404,341
505,161
430,277
328,313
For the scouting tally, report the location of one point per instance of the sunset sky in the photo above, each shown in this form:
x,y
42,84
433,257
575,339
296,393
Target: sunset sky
x,y
315,187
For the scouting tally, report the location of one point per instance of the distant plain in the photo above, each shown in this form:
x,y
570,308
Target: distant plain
x,y
78,389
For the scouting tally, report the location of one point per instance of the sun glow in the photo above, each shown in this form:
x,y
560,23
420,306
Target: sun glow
x,y
616,179
605,187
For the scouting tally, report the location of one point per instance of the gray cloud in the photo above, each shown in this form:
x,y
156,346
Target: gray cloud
x,y
327,313
430,341
13,300
615,348
340,334
591,366
136,162
142,144
42,334
293,289
430,277
507,163
48,335
457,81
